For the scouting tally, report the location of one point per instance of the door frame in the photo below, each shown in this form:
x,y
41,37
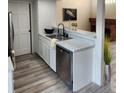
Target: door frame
x,y
30,23
30,30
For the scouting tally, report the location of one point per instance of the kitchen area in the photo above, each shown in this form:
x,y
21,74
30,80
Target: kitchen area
x,y
53,54
70,57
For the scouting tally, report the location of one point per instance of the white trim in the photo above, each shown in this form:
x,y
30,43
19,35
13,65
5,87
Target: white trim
x,y
32,27
98,62
28,2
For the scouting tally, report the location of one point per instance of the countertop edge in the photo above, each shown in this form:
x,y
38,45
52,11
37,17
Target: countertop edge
x,y
78,50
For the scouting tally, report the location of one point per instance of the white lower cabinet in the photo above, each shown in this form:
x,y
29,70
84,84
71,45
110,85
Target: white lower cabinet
x,y
53,58
47,53
44,49
40,49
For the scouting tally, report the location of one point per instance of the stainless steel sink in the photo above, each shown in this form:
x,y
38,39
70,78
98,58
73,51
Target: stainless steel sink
x,y
52,36
59,37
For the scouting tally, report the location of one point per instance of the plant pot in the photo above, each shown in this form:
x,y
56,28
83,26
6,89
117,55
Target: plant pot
x,y
107,73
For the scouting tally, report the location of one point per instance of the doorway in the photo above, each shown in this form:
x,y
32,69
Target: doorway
x,y
22,27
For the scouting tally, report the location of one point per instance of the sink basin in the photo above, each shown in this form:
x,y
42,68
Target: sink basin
x,y
52,36
59,37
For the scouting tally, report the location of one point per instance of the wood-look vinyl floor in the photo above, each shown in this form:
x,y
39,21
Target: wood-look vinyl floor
x,y
34,76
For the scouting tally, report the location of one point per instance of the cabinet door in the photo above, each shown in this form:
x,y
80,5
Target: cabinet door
x,y
53,58
44,50
47,54
40,48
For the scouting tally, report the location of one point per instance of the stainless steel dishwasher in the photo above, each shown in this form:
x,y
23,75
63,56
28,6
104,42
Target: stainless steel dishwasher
x,y
64,65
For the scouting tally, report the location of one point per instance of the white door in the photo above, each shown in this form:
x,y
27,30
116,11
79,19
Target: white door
x,y
20,16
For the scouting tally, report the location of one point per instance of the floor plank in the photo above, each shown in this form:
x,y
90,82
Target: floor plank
x,y
33,75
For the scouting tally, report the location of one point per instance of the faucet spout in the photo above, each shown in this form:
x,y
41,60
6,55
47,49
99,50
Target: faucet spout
x,y
63,29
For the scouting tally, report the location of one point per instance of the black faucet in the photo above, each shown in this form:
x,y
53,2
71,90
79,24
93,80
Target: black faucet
x,y
62,29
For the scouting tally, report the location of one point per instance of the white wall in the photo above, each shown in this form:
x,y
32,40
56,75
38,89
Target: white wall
x,y
110,9
44,16
83,12
35,24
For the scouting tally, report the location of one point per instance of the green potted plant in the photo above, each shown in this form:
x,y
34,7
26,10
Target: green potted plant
x,y
107,59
